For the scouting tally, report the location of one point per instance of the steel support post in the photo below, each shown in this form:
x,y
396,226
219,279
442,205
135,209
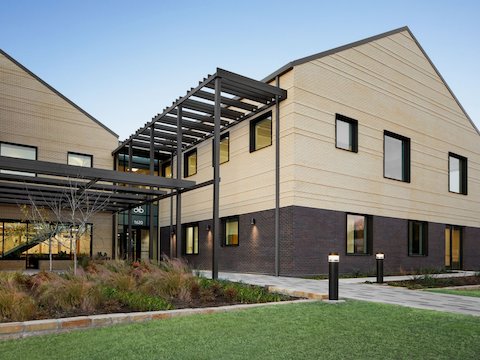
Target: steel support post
x,y
277,182
178,229
216,179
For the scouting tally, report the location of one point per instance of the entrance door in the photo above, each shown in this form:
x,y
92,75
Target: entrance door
x,y
453,247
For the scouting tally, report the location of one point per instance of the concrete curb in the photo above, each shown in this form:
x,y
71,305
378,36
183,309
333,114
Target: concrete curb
x,y
16,330
297,293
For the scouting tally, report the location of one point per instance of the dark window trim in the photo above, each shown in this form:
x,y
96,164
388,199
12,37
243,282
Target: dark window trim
x,y
185,163
27,146
184,235
163,168
406,149
77,153
354,124
23,145
463,174
425,238
222,137
369,222
254,122
224,232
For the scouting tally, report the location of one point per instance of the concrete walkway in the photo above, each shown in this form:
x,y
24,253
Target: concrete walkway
x,y
357,289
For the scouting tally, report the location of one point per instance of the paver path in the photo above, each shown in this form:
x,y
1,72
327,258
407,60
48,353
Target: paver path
x,y
358,290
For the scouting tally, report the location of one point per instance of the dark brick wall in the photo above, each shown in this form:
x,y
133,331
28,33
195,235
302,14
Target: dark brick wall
x,y
471,248
307,237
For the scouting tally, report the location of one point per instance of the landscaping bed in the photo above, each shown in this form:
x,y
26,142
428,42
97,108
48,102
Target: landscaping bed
x,y
118,287
429,281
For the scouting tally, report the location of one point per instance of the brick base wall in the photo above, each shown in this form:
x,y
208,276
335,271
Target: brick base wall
x,y
307,237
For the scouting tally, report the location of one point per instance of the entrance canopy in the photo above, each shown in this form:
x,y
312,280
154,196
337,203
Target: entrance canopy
x,y
23,181
193,115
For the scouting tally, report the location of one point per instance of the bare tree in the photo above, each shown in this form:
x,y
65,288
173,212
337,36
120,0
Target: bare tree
x,y
72,209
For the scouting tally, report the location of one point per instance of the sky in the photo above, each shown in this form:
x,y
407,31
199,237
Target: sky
x,y
125,61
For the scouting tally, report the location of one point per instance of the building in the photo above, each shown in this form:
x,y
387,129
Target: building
x,y
374,154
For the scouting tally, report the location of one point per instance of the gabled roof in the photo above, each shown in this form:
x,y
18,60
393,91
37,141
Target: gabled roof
x,y
57,92
306,59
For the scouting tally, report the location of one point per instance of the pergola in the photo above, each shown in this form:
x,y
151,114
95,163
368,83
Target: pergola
x,y
218,102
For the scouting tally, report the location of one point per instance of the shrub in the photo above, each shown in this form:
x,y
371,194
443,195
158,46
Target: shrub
x,y
136,301
16,305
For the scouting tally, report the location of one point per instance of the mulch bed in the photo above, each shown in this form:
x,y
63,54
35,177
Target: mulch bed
x,y
429,282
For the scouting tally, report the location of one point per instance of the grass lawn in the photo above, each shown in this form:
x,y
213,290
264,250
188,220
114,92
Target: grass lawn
x,y
463,292
352,330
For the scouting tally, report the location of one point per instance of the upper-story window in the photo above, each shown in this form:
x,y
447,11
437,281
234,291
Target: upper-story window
x,y
457,174
190,163
396,157
261,132
18,151
77,159
224,148
346,133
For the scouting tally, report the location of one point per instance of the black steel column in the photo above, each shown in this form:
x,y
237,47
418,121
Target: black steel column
x,y
152,172
170,235
179,176
277,182
216,179
130,235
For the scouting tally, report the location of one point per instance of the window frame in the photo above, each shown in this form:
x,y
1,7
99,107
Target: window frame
x,y
354,132
369,239
163,167
463,181
224,227
21,145
253,124
184,230
406,150
424,238
185,162
222,137
77,153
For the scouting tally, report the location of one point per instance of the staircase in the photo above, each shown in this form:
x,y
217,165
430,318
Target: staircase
x,y
28,245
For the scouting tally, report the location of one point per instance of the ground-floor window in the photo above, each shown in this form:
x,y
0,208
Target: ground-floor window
x,y
358,234
20,239
191,239
231,231
417,238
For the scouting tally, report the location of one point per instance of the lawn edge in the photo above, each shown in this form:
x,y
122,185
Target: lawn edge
x,y
17,330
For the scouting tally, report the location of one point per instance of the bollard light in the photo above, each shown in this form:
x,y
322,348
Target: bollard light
x,y
380,257
333,260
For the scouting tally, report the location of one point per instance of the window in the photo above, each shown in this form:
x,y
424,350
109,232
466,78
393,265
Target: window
x,y
167,169
190,163
261,132
224,148
18,151
396,157
231,231
358,234
191,239
457,174
346,133
417,238
79,159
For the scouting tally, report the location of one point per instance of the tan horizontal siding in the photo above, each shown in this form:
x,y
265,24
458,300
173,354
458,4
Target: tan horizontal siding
x,y
386,85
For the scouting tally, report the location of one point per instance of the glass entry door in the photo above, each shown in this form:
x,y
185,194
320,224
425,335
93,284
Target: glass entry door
x,y
453,247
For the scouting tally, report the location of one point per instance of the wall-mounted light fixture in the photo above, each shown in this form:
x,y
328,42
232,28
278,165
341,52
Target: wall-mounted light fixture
x,y
253,221
209,228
